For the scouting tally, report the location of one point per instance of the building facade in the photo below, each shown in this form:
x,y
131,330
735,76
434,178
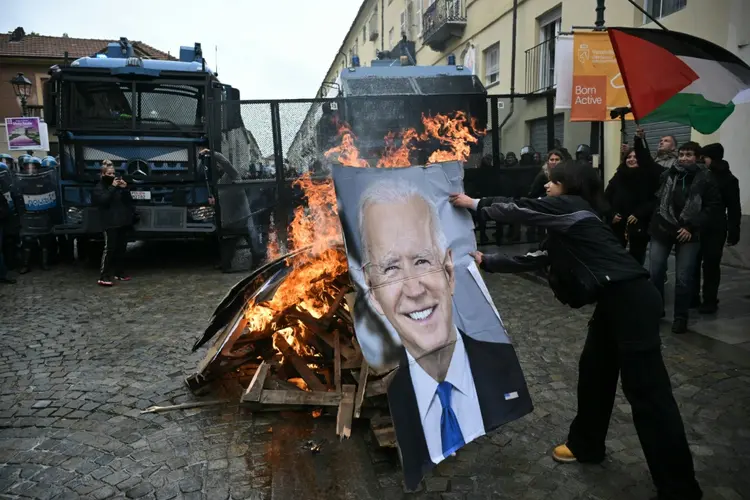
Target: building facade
x,y
479,34
33,55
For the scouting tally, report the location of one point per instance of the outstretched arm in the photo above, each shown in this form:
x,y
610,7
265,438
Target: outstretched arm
x,y
502,263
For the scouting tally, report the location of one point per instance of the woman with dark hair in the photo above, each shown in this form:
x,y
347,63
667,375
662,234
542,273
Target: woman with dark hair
x,y
554,157
586,265
631,194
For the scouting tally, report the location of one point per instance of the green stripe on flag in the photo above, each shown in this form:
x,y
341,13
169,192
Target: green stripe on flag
x,y
692,109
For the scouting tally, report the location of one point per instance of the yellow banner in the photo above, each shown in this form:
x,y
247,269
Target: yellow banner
x,y
593,56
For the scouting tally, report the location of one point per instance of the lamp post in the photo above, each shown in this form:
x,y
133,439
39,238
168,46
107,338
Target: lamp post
x,y
22,89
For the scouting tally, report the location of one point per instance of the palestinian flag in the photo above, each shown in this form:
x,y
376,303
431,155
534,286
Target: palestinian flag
x,y
671,76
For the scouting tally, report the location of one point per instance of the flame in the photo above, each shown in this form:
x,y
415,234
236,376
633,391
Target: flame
x,y
456,133
398,156
299,383
348,154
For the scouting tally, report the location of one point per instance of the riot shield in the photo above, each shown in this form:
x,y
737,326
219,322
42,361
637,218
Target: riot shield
x,y
41,207
6,186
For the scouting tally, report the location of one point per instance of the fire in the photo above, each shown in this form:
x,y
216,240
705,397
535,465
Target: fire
x,y
317,225
398,156
348,154
456,133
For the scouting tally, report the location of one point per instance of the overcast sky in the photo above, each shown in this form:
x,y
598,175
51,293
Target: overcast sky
x,y
267,48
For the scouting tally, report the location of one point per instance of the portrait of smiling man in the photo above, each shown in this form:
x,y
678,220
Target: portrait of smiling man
x,y
449,388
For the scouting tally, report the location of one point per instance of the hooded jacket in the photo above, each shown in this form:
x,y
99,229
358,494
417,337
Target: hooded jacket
x,y
730,213
115,205
632,191
693,186
582,252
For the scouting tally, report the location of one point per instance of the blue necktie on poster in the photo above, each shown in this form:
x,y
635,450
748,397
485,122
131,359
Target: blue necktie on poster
x,y
450,431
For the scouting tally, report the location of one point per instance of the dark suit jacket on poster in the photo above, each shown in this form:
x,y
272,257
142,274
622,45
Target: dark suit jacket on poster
x,y
496,372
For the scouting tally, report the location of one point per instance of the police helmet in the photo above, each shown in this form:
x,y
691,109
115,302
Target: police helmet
x,y
49,162
509,155
22,159
583,149
6,160
33,160
526,150
500,157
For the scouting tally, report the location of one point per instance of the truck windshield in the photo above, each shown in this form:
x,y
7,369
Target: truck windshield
x,y
125,105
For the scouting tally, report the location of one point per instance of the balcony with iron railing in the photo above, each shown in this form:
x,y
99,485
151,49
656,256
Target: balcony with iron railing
x,y
443,20
540,66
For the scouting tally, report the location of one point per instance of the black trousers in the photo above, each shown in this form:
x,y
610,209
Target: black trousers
x,y
638,240
115,244
623,342
712,249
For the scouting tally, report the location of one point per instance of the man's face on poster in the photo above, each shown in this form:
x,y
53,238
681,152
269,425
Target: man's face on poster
x,y
411,279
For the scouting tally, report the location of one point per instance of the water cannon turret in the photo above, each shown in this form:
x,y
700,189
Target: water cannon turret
x,y
191,54
355,61
121,49
452,60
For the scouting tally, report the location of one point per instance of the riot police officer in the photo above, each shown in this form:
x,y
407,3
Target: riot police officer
x,y
61,248
9,229
583,154
37,186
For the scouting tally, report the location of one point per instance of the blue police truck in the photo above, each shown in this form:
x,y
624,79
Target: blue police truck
x,y
150,118
393,93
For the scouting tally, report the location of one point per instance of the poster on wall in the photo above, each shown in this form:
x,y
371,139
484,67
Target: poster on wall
x,y
26,133
589,82
422,305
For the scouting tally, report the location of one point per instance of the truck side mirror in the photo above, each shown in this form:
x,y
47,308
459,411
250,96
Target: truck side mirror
x,y
232,110
50,103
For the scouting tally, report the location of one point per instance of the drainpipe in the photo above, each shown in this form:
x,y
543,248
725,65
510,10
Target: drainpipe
x,y
512,66
382,26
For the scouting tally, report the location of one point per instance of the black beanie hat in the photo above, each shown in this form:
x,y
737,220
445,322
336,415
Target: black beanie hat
x,y
714,151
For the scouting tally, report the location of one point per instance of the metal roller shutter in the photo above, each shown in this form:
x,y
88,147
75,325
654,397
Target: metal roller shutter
x,y
538,132
657,130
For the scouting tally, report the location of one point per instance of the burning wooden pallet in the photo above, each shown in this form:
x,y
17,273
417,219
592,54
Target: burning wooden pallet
x,y
297,359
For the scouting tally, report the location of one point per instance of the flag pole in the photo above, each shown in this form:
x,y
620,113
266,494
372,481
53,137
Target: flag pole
x,y
596,139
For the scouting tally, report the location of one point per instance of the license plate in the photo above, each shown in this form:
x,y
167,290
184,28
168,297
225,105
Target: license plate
x,y
141,195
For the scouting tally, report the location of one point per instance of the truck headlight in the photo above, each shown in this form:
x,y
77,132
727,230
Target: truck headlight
x,y
201,214
74,215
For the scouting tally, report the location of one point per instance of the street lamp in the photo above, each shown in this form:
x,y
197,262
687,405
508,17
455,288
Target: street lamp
x,y
22,89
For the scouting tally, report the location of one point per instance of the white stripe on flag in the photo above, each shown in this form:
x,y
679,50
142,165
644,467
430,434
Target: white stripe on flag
x,y
715,82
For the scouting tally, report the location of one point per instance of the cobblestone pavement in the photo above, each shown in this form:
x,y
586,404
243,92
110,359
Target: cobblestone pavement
x,y
78,363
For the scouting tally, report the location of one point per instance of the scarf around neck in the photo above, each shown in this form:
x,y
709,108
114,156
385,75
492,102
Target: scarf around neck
x,y
693,201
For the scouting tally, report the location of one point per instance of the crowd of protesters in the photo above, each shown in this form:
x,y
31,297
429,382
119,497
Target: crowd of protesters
x,y
594,252
682,198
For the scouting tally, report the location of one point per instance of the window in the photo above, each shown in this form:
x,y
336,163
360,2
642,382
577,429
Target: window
x,y
351,54
492,65
364,33
404,27
390,38
662,8
550,25
356,46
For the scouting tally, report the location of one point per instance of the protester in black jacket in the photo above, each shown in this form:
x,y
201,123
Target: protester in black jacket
x,y
116,214
724,227
587,264
685,201
4,217
631,197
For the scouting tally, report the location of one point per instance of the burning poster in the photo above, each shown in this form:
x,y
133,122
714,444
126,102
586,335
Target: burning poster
x,y
421,304
26,134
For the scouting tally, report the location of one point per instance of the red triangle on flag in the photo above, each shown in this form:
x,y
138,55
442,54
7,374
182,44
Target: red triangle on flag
x,y
652,75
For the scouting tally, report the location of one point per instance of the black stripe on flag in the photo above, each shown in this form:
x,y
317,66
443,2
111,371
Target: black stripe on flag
x,y
684,45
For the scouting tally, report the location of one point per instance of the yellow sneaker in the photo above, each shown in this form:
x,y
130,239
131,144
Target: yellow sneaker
x,y
563,454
